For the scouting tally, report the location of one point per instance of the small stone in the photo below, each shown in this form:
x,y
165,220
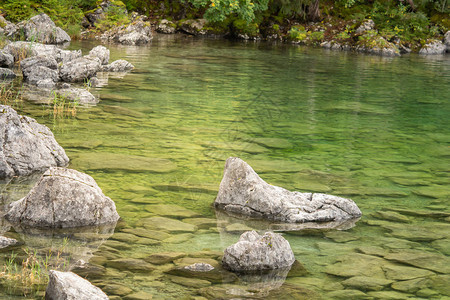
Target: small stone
x,y
341,236
201,223
179,238
199,267
391,216
6,242
258,252
117,289
411,286
366,283
425,260
125,237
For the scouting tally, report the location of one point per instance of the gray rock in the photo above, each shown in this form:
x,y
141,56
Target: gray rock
x,y
381,48
242,191
118,66
166,26
433,48
137,33
101,52
10,29
20,50
94,17
65,56
6,242
26,146
6,60
63,198
78,95
194,27
69,286
255,252
6,74
365,26
40,70
47,84
447,40
80,69
42,29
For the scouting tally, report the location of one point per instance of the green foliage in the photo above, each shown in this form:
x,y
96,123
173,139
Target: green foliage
x,y
114,16
398,21
317,36
241,26
18,10
297,33
218,10
291,8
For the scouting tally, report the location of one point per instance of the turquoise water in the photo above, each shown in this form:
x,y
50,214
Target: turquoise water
x,y
369,128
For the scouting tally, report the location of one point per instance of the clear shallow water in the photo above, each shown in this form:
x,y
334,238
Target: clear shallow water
x,y
369,128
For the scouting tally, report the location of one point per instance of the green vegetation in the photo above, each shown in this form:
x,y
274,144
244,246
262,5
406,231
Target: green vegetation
x,y
28,274
63,107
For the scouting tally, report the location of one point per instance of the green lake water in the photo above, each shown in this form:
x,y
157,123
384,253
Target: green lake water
x,y
372,129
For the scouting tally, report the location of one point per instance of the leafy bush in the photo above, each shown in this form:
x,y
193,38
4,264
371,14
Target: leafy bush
x,y
297,33
218,10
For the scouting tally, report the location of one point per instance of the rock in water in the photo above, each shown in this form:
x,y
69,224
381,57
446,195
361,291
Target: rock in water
x,y
67,285
242,191
254,252
63,198
26,146
101,52
118,66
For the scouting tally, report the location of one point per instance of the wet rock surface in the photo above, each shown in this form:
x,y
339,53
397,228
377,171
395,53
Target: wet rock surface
x,y
258,252
63,198
243,191
27,146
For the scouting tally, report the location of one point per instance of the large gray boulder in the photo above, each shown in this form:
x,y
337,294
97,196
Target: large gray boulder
x,y
42,29
80,69
254,252
69,286
137,33
26,146
101,52
63,198
433,48
40,71
119,65
243,192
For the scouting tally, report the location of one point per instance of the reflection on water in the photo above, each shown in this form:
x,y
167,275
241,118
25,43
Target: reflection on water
x,y
369,128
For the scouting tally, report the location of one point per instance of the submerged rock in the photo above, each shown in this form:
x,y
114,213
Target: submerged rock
x,y
120,65
67,285
42,29
243,191
81,96
26,146
255,252
63,198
